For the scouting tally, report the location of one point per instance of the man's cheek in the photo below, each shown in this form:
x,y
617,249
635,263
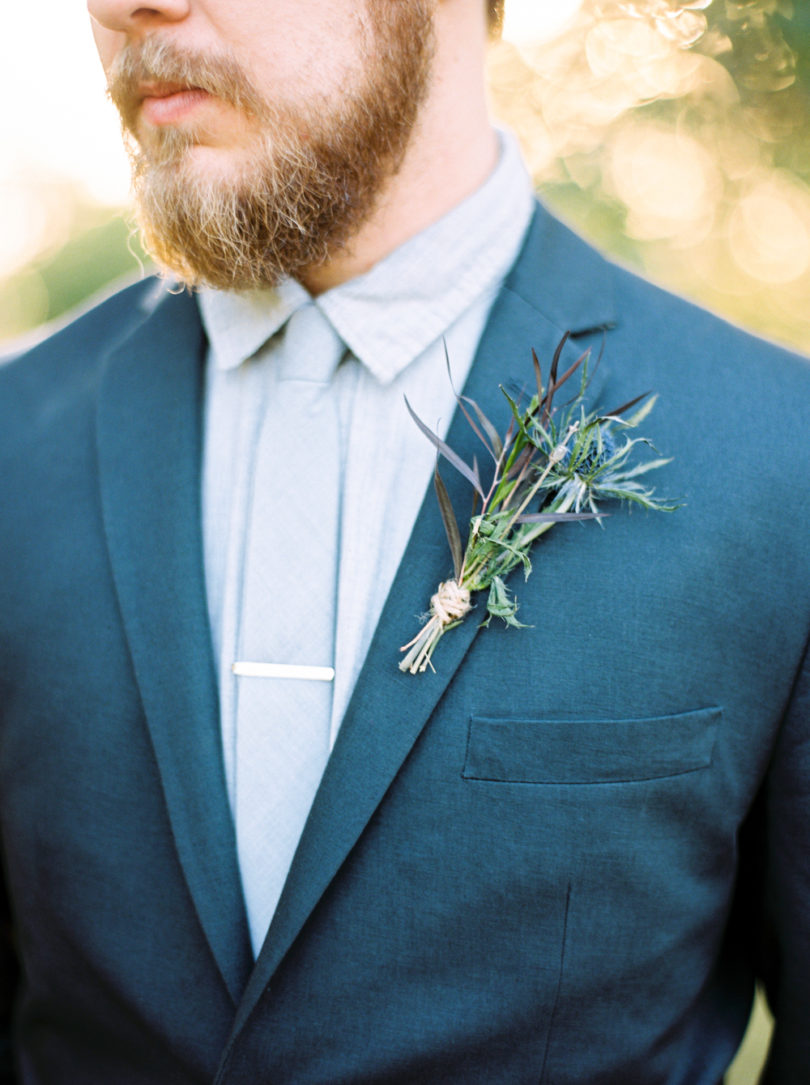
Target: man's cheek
x,y
108,43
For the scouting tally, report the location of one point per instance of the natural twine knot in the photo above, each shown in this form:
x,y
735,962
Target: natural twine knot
x,y
450,603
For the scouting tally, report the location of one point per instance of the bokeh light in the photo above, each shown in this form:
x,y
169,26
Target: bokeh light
x,y
677,136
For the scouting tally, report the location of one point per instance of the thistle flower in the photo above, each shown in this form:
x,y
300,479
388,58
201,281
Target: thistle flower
x,y
554,464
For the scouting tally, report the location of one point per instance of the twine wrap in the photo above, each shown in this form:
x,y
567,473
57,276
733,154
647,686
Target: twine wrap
x,y
451,603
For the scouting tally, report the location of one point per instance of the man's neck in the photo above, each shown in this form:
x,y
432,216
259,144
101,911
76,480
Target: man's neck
x,y
453,149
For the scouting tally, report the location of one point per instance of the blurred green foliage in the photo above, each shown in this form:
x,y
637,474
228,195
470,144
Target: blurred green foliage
x,y
94,246
85,264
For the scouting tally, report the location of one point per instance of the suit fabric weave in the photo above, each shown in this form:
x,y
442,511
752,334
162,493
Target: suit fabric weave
x,y
562,858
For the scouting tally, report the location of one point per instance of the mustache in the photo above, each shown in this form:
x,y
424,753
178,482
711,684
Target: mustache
x,y
154,61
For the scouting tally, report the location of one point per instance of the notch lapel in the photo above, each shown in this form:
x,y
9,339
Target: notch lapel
x,y
389,709
149,444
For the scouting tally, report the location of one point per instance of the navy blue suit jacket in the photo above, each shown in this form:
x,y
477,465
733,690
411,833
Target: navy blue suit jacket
x,y
562,858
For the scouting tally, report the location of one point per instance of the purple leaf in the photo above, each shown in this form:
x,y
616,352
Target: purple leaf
x,y
626,406
493,445
520,464
557,517
450,523
447,452
538,376
572,369
552,379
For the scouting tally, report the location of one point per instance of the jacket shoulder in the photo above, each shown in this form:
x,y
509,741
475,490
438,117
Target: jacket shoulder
x,y
87,332
42,380
665,329
731,404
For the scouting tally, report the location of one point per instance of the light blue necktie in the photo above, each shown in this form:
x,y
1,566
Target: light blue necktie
x,y
288,613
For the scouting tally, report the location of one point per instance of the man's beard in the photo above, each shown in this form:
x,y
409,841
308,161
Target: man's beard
x,y
295,200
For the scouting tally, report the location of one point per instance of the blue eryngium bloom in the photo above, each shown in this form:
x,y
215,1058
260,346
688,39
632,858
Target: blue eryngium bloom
x,y
594,455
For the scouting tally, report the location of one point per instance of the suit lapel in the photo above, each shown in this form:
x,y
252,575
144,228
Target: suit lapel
x,y
149,441
389,709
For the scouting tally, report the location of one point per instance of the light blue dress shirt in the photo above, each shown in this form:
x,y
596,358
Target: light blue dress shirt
x,y
435,289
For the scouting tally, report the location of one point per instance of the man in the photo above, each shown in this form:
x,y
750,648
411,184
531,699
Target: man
x,y
564,856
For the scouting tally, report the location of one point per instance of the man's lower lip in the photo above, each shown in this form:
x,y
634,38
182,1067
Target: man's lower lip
x,y
173,108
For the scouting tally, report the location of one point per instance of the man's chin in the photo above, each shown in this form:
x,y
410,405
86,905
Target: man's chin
x,y
198,166
210,151
215,165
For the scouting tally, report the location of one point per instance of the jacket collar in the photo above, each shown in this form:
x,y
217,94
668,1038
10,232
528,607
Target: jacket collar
x,y
149,445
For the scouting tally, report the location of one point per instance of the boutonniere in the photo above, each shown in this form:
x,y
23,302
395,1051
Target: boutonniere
x,y
553,464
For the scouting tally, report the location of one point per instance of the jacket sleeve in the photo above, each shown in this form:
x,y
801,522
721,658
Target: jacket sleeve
x,y
787,891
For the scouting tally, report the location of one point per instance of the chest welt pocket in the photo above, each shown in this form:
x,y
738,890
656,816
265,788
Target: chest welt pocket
x,y
590,751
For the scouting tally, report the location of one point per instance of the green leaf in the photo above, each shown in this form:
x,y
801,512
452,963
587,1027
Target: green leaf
x,y
643,468
642,413
501,605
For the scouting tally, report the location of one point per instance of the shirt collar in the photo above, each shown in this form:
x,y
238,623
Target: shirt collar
x,y
238,323
393,313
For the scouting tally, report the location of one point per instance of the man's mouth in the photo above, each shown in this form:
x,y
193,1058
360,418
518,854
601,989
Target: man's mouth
x,y
170,103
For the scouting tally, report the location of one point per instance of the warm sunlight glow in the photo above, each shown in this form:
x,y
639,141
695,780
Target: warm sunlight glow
x,y
56,122
528,22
